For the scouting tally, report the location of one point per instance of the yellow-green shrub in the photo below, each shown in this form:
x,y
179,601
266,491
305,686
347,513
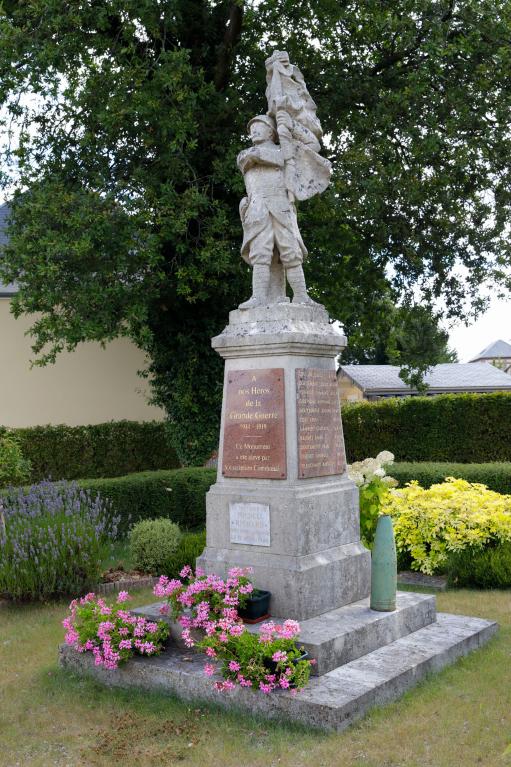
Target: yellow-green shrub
x,y
450,516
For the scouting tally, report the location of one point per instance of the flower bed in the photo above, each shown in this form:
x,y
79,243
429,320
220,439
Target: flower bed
x,y
206,606
110,632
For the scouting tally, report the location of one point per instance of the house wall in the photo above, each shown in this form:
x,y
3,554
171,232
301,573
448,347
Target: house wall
x,y
89,385
502,363
348,391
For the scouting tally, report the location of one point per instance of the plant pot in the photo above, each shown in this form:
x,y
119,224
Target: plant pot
x,y
256,607
271,665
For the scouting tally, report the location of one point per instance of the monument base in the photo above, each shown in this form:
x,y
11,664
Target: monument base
x,y
313,562
331,701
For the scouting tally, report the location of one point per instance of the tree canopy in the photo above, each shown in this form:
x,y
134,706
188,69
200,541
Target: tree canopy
x,y
123,119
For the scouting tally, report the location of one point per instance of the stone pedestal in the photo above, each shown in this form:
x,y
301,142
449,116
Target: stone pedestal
x,y
299,530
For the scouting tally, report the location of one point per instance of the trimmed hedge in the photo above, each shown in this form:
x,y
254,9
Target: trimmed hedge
x,y
496,476
488,568
179,495
101,450
464,428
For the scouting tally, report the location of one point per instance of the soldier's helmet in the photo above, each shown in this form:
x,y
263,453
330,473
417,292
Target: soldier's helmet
x,y
267,120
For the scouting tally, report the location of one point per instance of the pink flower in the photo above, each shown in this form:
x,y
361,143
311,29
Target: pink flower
x,y
209,669
289,629
164,609
236,630
125,644
244,682
210,652
284,683
280,655
222,637
123,596
266,688
186,637
234,665
124,631
186,571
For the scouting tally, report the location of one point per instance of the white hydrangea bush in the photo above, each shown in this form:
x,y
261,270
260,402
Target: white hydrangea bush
x,y
363,472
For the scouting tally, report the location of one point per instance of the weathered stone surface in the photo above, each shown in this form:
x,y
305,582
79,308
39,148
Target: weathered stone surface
x,y
314,561
282,166
330,702
342,635
304,586
282,328
433,582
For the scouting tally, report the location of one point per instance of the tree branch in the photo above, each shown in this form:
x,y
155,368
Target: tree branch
x,y
231,37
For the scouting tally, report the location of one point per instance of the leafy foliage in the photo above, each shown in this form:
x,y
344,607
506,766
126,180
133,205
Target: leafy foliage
x,y
488,568
130,115
14,468
179,495
373,484
191,546
101,450
496,476
465,428
153,542
110,632
452,516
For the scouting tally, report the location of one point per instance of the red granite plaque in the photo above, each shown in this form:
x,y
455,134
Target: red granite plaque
x,y
320,438
255,426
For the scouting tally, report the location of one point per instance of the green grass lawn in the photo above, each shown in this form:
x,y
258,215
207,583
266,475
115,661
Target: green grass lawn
x,y
51,719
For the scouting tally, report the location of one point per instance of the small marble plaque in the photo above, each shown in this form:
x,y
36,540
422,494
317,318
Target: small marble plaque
x,y
249,523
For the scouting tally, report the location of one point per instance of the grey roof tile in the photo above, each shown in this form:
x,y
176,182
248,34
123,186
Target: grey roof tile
x,y
445,377
496,349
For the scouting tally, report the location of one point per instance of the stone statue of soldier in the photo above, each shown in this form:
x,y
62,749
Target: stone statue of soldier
x,y
282,165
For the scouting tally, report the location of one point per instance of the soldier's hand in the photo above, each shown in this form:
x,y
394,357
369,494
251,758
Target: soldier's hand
x,y
284,120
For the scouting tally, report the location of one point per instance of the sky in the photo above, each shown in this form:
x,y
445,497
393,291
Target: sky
x,y
495,324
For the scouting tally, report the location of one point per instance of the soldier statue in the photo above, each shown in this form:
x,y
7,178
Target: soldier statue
x,y
282,166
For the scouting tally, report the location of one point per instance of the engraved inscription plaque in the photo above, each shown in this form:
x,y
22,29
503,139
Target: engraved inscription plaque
x,y
249,523
255,426
320,437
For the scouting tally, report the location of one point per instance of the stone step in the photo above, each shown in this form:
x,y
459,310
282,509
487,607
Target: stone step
x,y
330,702
342,635
345,634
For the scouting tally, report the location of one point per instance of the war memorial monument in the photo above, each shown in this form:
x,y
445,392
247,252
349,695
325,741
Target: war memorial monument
x,y
283,503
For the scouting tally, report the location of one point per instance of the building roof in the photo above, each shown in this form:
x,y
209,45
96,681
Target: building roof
x,y
5,290
447,377
498,349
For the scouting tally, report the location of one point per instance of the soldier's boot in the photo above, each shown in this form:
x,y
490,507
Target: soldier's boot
x,y
296,279
260,286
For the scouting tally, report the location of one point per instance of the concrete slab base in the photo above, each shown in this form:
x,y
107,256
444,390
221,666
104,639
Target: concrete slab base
x,y
330,702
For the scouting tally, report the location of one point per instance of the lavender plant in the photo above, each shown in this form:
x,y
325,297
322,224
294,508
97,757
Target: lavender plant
x,y
53,538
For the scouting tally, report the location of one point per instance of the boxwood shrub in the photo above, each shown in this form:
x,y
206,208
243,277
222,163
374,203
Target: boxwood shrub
x,y
496,476
101,450
463,428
